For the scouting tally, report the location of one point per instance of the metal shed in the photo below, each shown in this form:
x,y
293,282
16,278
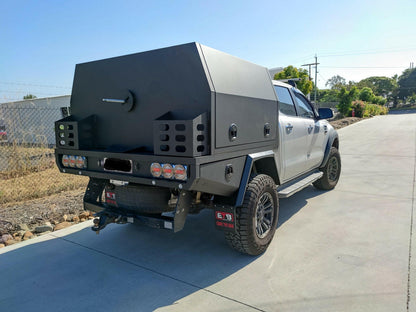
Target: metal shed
x,y
32,121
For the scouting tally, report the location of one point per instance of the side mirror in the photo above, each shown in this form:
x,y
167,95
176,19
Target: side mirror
x,y
325,113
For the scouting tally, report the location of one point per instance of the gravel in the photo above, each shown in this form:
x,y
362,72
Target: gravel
x,y
38,212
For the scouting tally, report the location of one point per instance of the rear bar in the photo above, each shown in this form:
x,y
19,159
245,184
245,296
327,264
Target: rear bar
x,y
174,221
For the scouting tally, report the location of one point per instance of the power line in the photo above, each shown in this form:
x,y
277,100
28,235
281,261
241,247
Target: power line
x,y
370,67
362,52
25,92
33,85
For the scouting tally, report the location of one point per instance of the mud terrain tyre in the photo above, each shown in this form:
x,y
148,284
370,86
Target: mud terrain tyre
x,y
331,170
256,219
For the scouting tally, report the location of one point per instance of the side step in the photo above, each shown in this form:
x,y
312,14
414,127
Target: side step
x,y
299,184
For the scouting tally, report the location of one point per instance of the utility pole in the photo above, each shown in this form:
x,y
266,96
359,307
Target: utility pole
x,y
316,72
316,75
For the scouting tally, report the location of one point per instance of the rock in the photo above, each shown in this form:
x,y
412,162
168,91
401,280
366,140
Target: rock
x,y
23,227
43,228
48,223
2,245
70,218
10,242
44,233
61,226
64,218
82,219
28,235
75,219
17,235
84,215
5,238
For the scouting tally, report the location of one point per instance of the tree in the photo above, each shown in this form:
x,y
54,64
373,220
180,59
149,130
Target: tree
x,y
328,95
407,83
345,100
29,96
366,95
304,85
381,86
336,82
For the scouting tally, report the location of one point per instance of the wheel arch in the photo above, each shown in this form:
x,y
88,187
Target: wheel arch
x,y
333,141
260,163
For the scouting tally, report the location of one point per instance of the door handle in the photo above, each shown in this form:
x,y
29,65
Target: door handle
x,y
289,128
325,129
310,128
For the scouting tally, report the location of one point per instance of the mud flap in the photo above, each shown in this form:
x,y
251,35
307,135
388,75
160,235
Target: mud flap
x,y
225,218
181,211
93,193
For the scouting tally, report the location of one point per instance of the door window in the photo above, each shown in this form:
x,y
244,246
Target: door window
x,y
303,106
286,105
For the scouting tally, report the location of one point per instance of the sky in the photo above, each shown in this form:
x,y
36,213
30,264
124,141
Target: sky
x,y
41,41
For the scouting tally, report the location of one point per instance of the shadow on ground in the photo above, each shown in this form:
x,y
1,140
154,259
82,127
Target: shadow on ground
x,y
402,112
125,267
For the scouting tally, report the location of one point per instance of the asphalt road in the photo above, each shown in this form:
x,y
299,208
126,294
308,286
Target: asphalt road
x,y
350,249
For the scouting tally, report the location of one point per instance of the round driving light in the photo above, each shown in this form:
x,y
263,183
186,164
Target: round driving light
x,y
72,161
156,170
167,171
179,172
81,162
65,160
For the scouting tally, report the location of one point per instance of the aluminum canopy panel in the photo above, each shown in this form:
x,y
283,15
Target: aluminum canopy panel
x,y
244,96
161,80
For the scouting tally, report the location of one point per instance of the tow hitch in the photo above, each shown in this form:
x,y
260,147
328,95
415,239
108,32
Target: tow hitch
x,y
106,217
174,220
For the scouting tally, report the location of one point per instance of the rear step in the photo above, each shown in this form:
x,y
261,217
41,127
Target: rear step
x,y
297,185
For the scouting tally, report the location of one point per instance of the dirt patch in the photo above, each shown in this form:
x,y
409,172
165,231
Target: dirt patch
x,y
28,219
341,123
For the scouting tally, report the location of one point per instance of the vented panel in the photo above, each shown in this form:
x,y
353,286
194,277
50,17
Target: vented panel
x,y
181,137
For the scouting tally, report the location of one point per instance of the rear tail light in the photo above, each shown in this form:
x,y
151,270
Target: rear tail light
x,y
169,171
180,172
65,161
81,162
72,161
156,170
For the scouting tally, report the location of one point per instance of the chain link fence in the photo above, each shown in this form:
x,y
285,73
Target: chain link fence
x,y
27,163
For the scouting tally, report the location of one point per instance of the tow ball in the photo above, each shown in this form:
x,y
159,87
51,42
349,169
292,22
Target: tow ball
x,y
105,218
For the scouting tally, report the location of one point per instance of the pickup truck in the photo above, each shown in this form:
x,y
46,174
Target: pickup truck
x,y
172,131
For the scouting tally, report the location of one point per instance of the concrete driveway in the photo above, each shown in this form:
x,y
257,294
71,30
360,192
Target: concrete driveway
x,y
350,249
